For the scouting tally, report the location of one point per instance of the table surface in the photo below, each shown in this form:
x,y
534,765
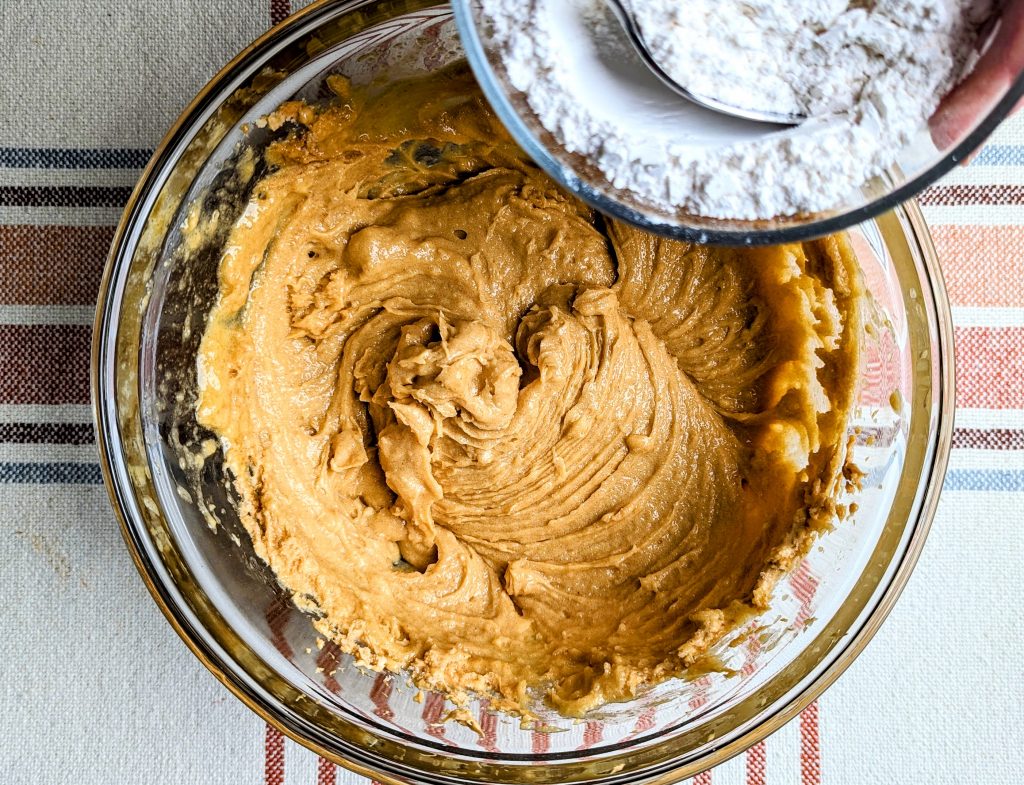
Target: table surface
x,y
96,687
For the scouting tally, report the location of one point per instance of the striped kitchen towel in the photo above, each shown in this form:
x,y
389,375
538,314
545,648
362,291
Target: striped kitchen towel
x,y
95,686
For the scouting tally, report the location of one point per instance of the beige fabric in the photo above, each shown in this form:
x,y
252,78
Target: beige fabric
x,y
94,685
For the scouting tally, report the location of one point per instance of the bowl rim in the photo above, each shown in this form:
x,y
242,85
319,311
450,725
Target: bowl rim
x,y
490,83
104,407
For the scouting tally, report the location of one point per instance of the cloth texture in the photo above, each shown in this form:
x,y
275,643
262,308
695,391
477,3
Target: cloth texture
x,y
95,687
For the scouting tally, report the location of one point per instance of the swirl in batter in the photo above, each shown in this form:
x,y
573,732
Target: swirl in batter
x,y
498,442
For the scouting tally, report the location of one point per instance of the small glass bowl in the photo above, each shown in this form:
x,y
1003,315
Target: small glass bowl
x,y
919,164
158,286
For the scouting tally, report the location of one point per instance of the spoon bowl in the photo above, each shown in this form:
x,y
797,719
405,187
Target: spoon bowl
x,y
636,38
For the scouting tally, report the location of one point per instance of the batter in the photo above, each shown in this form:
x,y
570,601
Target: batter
x,y
496,441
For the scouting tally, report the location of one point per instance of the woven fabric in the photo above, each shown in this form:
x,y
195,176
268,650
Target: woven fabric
x,y
95,686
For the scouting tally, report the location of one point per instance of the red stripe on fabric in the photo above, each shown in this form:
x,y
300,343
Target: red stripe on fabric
x,y
756,758
488,729
805,586
540,743
52,265
990,367
326,773
877,278
592,734
643,724
704,778
279,10
757,764
433,707
753,648
881,370
810,749
982,438
972,194
989,361
701,695
44,363
277,614
273,756
328,659
380,694
982,265
877,435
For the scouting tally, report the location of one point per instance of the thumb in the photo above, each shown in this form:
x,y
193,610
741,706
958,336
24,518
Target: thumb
x,y
993,75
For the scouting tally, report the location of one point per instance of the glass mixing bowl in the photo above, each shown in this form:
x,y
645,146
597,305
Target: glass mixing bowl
x,y
157,289
921,161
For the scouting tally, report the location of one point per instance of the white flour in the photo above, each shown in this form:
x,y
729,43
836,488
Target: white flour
x,y
869,73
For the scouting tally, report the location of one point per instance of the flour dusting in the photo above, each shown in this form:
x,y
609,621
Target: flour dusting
x,y
867,74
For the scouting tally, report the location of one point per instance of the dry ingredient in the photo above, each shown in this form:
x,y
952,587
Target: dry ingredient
x,y
868,74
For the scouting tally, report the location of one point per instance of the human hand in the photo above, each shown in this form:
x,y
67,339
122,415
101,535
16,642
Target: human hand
x,y
995,71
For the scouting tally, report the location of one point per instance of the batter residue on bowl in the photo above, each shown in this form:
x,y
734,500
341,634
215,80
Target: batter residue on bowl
x,y
496,441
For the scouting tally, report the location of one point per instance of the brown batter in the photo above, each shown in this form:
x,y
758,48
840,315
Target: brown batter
x,y
501,444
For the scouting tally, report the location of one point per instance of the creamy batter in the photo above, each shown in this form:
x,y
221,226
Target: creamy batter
x,y
496,441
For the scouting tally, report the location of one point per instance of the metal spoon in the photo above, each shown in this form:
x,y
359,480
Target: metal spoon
x,y
633,33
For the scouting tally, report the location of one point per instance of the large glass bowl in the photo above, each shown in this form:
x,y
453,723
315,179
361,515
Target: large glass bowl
x,y
917,165
157,289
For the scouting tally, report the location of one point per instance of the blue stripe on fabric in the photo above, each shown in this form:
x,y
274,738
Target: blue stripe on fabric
x,y
1000,155
73,158
50,474
89,474
985,480
136,158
